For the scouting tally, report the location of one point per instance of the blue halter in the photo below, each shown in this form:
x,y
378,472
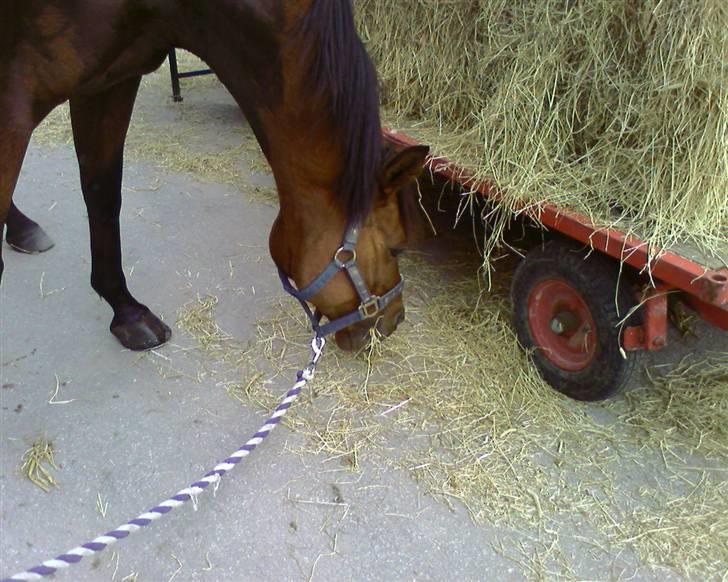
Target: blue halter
x,y
344,258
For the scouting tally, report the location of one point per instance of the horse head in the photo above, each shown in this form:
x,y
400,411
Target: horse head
x,y
348,269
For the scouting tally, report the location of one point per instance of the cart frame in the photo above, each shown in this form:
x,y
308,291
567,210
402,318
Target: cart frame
x,y
706,290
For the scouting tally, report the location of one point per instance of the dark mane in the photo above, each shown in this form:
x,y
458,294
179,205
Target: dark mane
x,y
342,75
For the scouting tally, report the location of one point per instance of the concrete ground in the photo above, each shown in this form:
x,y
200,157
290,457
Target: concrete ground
x,y
129,432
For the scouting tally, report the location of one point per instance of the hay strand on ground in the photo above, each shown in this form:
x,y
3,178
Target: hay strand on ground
x,y
37,462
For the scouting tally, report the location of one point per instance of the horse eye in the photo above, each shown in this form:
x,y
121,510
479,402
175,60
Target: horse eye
x,y
396,252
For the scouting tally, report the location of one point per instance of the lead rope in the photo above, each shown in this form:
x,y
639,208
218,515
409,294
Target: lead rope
x,y
191,492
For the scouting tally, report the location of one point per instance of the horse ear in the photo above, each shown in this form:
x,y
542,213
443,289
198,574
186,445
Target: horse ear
x,y
413,216
403,166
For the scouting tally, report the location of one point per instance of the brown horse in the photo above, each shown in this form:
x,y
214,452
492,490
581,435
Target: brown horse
x,y
304,82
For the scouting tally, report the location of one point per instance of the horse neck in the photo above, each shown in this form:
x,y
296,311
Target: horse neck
x,y
246,45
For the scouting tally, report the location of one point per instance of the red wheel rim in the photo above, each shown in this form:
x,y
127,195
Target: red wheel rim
x,y
561,324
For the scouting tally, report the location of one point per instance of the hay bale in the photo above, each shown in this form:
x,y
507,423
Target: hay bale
x,y
615,108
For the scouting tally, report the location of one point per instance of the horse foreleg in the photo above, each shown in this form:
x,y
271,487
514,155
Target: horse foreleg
x,y
12,151
24,234
100,124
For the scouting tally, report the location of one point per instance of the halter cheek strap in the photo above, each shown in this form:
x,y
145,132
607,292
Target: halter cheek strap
x,y
344,259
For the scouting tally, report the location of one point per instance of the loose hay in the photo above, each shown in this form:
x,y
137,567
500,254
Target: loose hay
x,y
452,399
196,318
690,400
32,464
617,109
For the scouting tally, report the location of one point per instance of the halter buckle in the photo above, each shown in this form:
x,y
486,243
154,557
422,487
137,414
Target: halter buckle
x,y
369,308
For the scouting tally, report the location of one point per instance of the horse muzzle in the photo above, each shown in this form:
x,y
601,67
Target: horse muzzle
x,y
358,336
382,312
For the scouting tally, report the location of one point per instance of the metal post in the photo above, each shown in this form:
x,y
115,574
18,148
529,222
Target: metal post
x,y
174,72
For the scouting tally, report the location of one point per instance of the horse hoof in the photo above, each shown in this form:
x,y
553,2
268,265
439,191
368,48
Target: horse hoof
x,y
145,332
32,240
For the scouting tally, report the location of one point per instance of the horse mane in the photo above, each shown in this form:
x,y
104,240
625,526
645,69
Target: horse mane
x,y
341,74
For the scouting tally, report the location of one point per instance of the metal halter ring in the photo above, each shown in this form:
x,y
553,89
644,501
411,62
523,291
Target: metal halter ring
x,y
341,263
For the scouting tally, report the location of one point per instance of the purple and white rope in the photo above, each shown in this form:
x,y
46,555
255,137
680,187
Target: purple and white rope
x,y
102,542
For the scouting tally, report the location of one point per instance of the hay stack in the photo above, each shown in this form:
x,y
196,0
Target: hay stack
x,y
616,108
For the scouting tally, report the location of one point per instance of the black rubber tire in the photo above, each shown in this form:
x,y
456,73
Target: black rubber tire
x,y
595,277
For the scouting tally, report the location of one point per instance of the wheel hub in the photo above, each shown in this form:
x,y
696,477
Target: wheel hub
x,y
561,324
565,322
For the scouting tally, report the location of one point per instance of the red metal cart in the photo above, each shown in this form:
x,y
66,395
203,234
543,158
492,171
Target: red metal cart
x,y
574,308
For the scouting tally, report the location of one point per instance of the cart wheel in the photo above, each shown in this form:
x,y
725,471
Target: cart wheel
x,y
564,309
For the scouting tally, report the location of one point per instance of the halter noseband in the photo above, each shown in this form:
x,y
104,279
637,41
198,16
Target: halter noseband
x,y
344,258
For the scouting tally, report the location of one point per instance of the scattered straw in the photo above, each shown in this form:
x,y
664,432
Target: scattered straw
x,y
688,403
197,319
333,552
668,536
102,506
451,398
44,294
115,561
55,393
178,570
33,461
